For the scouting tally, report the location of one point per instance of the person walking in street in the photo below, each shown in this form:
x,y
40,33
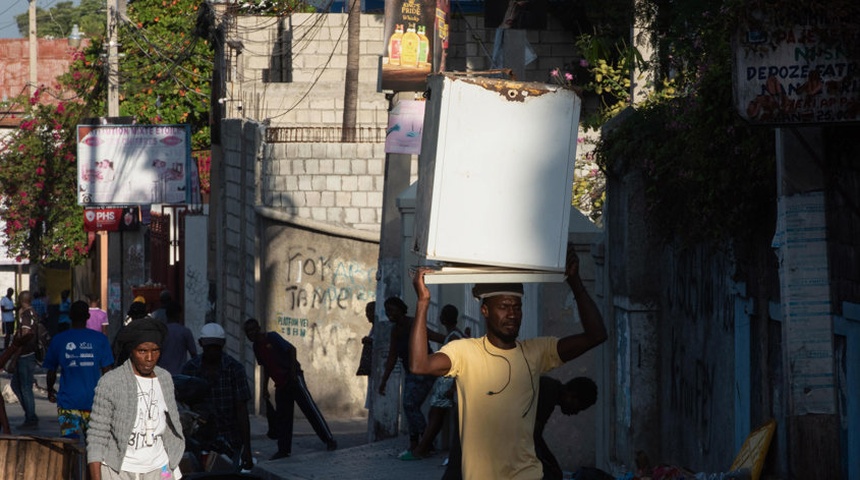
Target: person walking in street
x,y
135,430
9,352
165,298
25,361
415,387
498,376
7,307
83,356
442,395
64,322
39,303
98,318
277,356
179,344
572,397
229,392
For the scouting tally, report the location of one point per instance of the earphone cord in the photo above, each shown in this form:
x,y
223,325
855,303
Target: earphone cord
x,y
484,342
528,366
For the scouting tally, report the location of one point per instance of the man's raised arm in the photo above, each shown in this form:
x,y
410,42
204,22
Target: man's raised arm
x,y
420,362
594,331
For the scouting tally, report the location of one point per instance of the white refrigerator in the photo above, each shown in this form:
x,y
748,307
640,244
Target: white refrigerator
x,y
495,178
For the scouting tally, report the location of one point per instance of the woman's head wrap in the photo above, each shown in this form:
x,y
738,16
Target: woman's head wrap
x,y
141,331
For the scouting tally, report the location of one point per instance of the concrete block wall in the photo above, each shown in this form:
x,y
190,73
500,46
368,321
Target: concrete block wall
x,y
334,183
236,232
309,49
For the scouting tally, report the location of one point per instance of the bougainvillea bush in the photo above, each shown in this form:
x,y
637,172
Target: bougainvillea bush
x,y
38,172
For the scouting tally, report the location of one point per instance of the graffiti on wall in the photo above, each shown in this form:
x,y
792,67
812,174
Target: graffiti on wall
x,y
316,281
321,288
291,326
692,387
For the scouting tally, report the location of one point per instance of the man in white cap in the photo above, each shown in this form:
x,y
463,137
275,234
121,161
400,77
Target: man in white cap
x,y
498,376
229,392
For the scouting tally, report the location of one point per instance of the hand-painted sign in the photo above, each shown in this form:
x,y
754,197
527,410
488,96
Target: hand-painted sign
x,y
797,75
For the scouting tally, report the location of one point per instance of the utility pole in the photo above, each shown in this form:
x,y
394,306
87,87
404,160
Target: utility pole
x,y
112,112
112,59
34,50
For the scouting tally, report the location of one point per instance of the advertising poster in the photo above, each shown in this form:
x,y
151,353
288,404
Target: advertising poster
x,y
111,219
405,124
793,76
133,164
415,38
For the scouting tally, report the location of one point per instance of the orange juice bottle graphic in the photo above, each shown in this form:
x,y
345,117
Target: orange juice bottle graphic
x,y
409,48
423,45
395,45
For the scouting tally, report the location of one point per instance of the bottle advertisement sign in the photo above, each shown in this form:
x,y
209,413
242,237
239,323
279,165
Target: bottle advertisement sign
x,y
415,42
133,164
803,74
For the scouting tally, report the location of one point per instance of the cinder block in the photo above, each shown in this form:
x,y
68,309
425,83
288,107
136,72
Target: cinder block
x,y
318,150
305,183
313,199
351,215
367,215
365,183
358,166
334,215
348,183
333,183
343,198
374,199
291,183
341,167
376,166
312,166
327,199
318,213
327,166
303,150
320,182
330,117
359,199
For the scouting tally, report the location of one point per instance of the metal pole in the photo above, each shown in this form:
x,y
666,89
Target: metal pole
x,y
34,50
112,60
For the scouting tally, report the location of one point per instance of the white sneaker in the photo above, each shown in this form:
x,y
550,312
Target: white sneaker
x,y
445,462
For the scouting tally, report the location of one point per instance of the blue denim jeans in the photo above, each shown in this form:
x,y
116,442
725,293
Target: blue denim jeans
x,y
22,385
415,391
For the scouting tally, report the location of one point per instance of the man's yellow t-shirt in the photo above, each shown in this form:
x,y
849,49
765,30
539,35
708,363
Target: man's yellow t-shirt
x,y
497,392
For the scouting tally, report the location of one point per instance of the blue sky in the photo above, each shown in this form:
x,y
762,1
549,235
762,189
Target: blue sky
x,y
9,9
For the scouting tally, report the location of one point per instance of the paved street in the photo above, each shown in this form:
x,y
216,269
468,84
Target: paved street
x,y
354,458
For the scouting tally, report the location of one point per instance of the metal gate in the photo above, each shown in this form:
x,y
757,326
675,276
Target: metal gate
x,y
166,241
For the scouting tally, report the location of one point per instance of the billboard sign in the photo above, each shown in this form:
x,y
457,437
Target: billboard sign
x,y
415,41
793,75
133,164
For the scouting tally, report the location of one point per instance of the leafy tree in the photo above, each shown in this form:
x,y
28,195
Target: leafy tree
x,y
57,21
38,173
165,69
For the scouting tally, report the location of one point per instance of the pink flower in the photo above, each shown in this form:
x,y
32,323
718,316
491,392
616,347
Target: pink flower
x,y
554,72
40,171
583,63
61,108
568,76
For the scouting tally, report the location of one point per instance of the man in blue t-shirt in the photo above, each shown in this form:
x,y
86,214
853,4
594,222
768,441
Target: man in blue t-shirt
x,y
83,355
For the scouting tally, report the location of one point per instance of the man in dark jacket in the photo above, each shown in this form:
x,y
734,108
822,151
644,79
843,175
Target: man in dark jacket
x,y
278,358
